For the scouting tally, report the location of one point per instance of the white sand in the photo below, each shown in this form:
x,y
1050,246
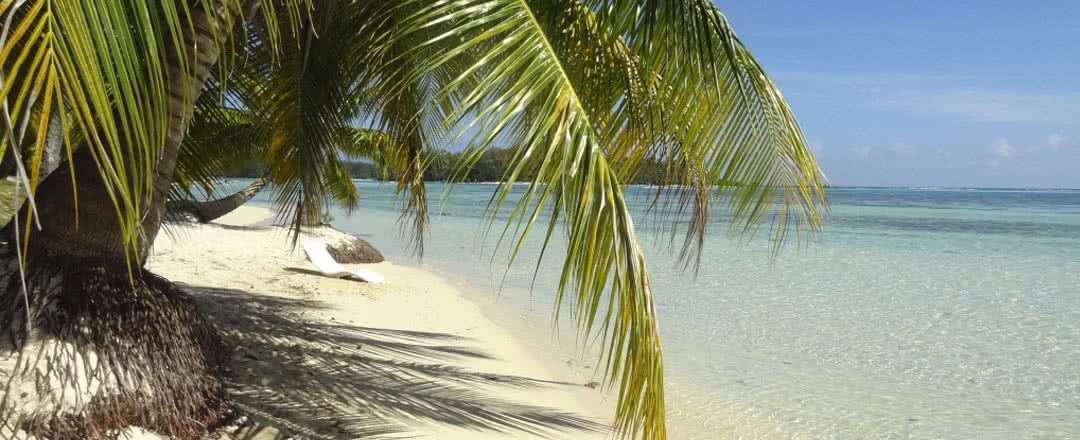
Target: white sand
x,y
334,358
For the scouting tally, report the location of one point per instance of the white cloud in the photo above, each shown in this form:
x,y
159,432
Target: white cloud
x,y
816,147
1002,148
902,149
1053,143
862,152
994,105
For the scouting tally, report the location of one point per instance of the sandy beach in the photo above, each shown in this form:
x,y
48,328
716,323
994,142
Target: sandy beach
x,y
317,357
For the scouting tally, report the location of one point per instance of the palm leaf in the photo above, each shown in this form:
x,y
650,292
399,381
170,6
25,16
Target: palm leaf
x,y
585,97
306,97
220,137
373,145
60,52
523,74
113,68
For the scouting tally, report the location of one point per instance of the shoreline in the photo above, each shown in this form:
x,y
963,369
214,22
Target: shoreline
x,y
414,356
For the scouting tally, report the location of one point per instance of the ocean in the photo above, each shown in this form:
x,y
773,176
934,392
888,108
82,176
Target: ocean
x,y
916,313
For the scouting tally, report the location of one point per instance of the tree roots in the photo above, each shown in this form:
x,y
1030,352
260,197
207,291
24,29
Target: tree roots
x,y
106,348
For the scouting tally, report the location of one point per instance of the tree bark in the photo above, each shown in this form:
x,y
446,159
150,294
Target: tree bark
x,y
92,323
181,109
94,228
54,144
52,155
208,211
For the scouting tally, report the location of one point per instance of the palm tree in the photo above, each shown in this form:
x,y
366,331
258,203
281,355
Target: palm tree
x,y
217,129
586,91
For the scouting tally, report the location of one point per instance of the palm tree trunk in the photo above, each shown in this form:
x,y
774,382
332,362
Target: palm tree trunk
x,y
91,321
50,159
92,230
208,211
181,109
54,143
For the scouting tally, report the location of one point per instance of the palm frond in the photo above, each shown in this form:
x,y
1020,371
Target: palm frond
x,y
330,74
301,108
340,185
585,91
727,131
62,52
373,145
115,70
525,92
221,135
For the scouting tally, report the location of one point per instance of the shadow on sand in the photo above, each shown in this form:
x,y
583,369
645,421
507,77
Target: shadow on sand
x,y
344,381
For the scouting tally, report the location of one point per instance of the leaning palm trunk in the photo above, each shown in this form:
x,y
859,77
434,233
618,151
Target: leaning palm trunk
x,y
208,211
53,146
96,343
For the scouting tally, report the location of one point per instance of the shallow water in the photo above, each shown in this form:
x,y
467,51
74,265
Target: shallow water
x,y
917,314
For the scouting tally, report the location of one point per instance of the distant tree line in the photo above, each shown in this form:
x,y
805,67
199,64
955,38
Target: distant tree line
x,y
490,167
252,168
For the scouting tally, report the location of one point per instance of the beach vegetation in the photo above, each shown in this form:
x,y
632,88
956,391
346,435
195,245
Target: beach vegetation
x,y
157,98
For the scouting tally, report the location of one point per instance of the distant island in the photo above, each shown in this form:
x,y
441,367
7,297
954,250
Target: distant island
x,y
489,168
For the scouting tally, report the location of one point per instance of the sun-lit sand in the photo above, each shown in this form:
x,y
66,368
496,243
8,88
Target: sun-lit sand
x,y
336,358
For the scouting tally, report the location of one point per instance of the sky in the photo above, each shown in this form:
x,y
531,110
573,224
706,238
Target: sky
x,y
920,93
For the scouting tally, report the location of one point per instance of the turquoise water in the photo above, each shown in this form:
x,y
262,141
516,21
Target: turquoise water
x,y
925,314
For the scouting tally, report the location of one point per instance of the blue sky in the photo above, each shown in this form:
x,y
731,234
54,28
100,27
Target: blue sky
x,y
914,93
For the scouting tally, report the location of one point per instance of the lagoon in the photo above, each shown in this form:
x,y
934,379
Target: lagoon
x,y
917,313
